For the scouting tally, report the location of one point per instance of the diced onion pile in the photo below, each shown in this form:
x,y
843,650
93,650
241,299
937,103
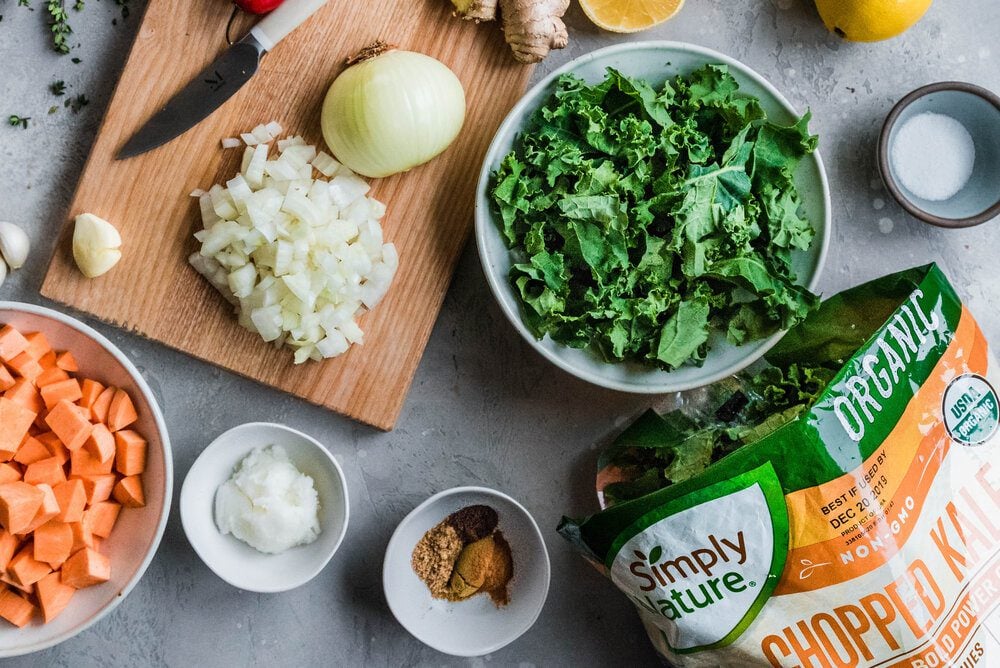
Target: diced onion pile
x,y
299,257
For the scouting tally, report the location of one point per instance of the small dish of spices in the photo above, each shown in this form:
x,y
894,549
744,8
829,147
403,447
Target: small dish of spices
x,y
467,572
465,554
939,154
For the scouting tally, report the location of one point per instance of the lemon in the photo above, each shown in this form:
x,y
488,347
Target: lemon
x,y
870,20
629,15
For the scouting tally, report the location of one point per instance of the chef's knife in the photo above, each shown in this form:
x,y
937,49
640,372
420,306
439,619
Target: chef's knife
x,y
220,80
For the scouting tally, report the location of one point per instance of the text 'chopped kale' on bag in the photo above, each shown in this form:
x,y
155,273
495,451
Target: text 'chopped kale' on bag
x,y
838,507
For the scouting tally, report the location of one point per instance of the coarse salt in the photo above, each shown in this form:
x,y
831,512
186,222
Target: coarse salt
x,y
933,156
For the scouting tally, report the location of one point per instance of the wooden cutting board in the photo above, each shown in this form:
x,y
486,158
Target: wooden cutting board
x,y
154,292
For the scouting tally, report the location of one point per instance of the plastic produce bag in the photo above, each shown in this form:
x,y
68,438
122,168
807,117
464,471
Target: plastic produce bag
x,y
839,505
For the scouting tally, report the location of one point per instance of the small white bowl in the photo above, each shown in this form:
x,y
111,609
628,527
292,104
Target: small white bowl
x,y
476,626
230,558
137,533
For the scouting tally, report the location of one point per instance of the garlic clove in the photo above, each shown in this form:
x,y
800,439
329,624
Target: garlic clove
x,y
3,271
96,245
14,245
100,262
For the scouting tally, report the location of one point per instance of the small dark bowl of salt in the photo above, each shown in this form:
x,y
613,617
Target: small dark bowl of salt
x,y
939,154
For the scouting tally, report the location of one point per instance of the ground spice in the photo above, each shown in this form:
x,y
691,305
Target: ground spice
x,y
474,522
501,570
465,555
434,558
471,569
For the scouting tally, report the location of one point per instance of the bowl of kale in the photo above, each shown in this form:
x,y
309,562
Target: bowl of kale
x,y
652,217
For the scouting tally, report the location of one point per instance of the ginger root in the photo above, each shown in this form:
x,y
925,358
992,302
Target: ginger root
x,y
532,27
475,10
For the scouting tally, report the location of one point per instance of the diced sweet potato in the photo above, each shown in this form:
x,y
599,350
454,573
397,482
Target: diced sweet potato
x,y
82,537
48,510
6,379
90,390
15,420
100,518
85,568
128,492
68,389
19,502
25,590
16,610
67,362
9,472
82,463
38,345
122,412
25,393
101,443
25,569
98,487
12,343
51,376
53,542
67,423
55,446
32,450
72,499
25,366
48,360
53,595
48,471
51,527
102,405
8,546
130,458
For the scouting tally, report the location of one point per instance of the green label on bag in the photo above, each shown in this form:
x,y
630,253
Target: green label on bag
x,y
701,567
866,399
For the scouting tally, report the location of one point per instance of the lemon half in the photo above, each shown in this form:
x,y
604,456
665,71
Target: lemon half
x,y
629,15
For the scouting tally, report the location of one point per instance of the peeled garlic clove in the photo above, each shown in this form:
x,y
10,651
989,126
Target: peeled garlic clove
x,y
96,245
3,271
14,245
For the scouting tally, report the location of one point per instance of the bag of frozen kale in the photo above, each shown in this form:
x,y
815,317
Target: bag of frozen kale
x,y
837,506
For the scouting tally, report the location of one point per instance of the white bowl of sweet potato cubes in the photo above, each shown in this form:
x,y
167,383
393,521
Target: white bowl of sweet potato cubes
x,y
85,477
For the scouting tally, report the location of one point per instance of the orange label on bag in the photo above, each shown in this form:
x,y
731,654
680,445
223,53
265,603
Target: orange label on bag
x,y
855,523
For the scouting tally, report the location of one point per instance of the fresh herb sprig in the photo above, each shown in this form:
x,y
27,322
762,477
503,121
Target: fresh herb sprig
x,y
59,20
59,25
18,121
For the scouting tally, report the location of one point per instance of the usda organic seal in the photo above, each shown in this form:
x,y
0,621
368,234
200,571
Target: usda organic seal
x,y
971,412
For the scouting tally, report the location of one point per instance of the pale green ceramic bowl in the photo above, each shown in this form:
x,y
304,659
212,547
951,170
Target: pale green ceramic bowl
x,y
979,111
655,62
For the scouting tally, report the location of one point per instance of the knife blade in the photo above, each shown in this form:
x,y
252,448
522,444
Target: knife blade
x,y
204,94
218,82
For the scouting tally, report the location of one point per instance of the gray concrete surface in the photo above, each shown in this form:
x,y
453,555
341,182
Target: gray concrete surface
x,y
484,409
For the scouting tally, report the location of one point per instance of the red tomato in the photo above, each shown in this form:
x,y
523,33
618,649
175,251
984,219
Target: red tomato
x,y
258,6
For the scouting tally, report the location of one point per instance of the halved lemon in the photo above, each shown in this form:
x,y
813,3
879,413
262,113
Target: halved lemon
x,y
630,15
